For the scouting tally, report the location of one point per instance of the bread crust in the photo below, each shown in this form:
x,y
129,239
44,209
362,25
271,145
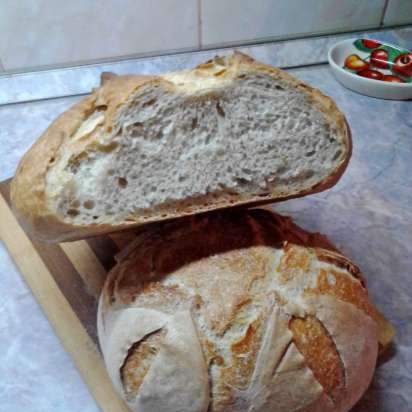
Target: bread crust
x,y
28,188
217,267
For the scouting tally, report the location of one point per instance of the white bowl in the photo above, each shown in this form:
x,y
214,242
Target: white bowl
x,y
370,87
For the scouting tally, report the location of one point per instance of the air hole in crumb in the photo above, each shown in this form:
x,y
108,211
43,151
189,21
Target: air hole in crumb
x,y
122,182
73,212
95,217
336,155
277,87
194,123
149,103
88,204
74,204
101,108
308,174
309,154
241,181
52,159
219,110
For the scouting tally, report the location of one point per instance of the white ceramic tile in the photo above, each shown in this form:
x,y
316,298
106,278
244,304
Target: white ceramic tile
x,y
43,32
398,12
1,66
234,21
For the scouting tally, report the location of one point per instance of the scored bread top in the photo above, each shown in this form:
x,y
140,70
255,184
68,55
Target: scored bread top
x,y
237,311
71,185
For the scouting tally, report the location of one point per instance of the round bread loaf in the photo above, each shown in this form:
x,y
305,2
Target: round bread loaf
x,y
230,132
237,311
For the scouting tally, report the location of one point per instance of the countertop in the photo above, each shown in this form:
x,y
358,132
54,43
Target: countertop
x,y
368,215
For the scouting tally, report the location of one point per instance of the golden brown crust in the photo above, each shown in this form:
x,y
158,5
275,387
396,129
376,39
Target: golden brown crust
x,y
320,353
229,269
28,186
138,362
28,193
335,283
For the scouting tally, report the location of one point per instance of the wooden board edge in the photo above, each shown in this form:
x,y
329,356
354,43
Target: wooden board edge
x,y
88,266
61,316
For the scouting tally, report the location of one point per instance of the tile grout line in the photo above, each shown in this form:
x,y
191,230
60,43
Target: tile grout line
x,y
42,99
199,24
385,7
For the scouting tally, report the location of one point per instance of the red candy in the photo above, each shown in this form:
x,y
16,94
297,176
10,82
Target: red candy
x,y
403,64
371,74
379,58
391,78
370,44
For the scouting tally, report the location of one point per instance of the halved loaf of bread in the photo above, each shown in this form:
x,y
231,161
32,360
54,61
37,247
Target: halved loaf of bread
x,y
139,149
238,311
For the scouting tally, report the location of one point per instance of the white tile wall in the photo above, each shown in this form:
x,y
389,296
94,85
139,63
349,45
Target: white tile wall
x,y
42,32
398,12
46,32
236,21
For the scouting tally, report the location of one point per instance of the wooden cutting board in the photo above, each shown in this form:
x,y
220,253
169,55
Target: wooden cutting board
x,y
66,280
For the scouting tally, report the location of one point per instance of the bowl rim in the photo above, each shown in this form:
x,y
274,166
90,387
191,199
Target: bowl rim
x,y
360,78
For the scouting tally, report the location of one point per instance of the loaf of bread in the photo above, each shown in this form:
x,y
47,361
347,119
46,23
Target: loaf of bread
x,y
139,149
237,311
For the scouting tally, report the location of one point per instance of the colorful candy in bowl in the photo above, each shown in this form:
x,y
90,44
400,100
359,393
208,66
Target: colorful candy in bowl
x,y
373,68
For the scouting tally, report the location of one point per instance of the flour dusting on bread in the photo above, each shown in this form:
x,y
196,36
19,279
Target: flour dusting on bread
x,y
273,335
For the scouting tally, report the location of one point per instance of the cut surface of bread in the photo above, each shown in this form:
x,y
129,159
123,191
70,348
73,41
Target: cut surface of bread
x,y
231,131
256,313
